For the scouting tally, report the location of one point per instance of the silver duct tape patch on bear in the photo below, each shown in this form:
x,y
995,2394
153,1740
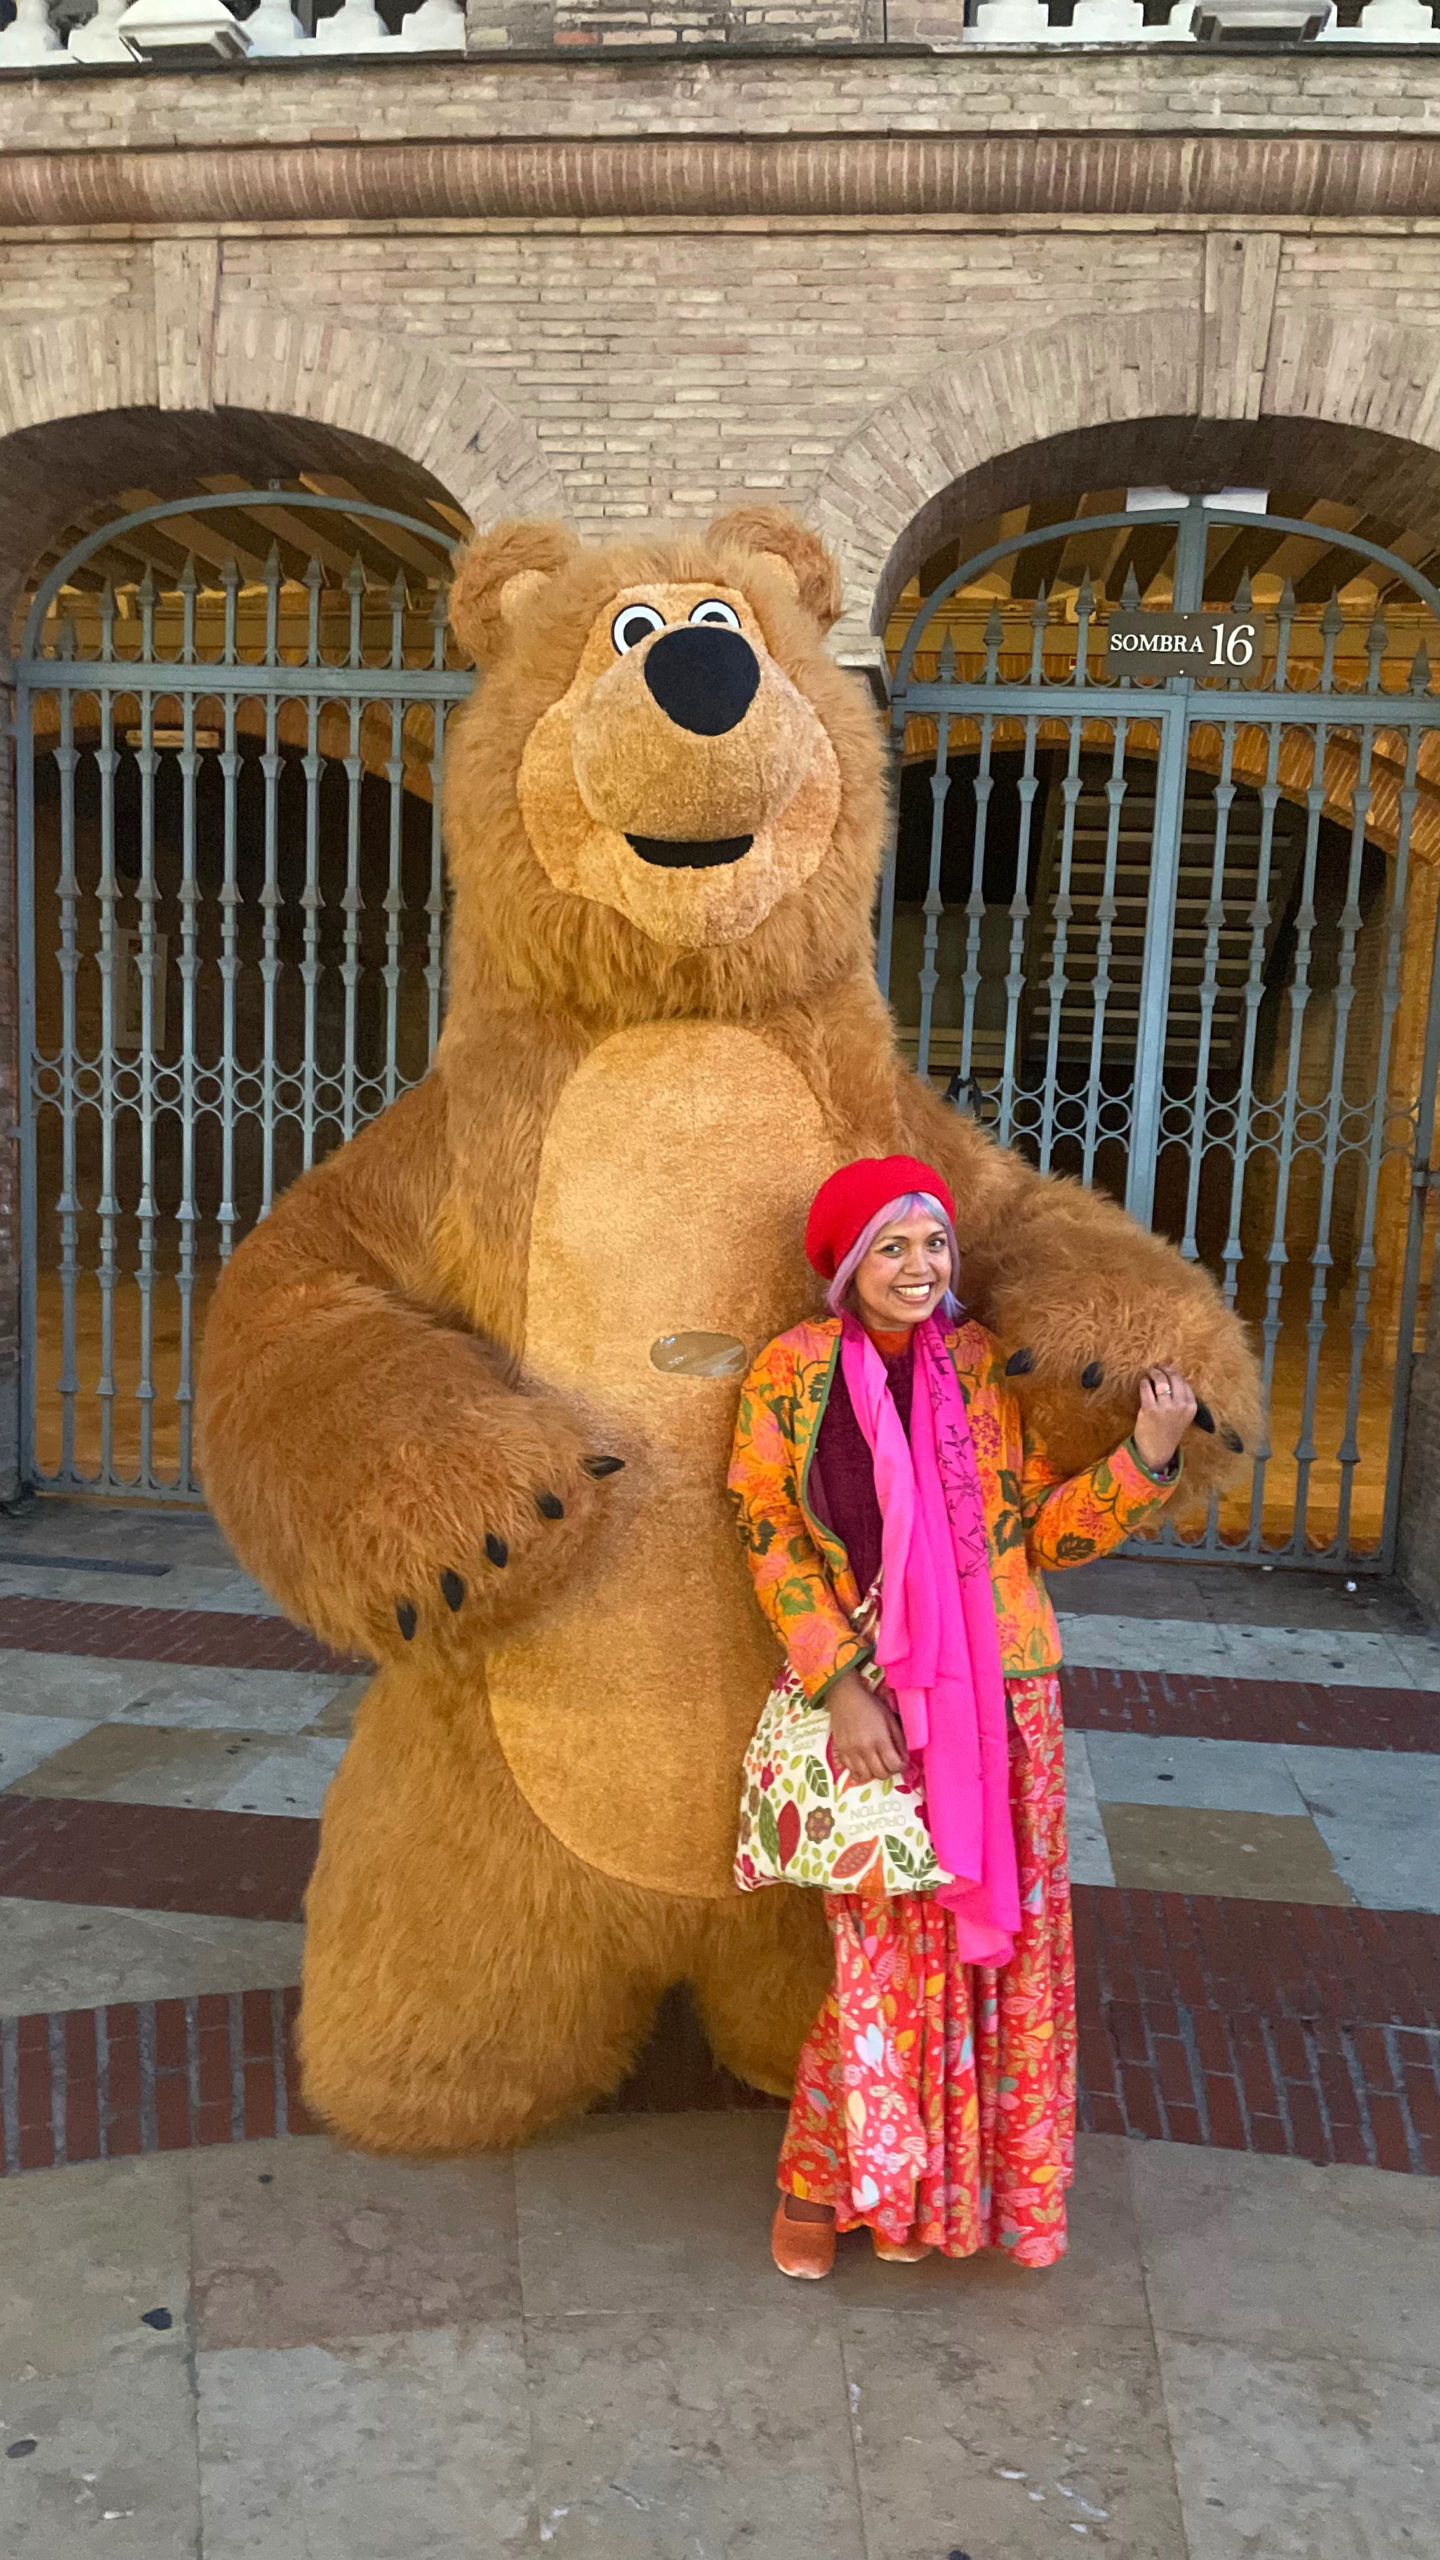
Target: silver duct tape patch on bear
x,y
698,1355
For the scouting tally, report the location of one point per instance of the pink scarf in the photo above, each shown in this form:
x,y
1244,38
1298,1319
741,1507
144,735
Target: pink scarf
x,y
938,1646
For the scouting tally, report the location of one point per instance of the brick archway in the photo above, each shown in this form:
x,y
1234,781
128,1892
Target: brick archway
x,y
1227,375
350,384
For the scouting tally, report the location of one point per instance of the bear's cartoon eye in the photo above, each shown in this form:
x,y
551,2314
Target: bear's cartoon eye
x,y
634,625
720,617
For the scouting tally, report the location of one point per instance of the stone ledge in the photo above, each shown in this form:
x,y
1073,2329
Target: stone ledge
x,y
1232,177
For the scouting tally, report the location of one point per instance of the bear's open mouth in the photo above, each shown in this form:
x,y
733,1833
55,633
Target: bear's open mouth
x,y
677,855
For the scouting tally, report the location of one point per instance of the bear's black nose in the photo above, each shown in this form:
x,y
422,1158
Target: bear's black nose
x,y
704,678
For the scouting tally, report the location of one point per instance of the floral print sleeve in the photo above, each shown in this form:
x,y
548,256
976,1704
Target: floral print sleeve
x,y
1074,1519
789,1574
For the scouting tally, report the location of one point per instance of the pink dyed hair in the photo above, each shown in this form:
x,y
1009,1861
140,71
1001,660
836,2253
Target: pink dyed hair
x,y
908,1205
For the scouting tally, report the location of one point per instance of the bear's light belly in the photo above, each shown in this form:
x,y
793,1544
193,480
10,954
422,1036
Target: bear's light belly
x,y
676,1174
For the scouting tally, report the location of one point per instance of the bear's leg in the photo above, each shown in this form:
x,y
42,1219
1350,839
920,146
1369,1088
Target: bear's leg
x,y
467,1980
760,1968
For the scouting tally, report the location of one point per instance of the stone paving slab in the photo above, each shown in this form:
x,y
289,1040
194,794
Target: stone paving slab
x,y
205,1697
80,1955
1237,2362
1185,1646
1212,1777
300,2242
1024,2446
1302,2458
113,2468
1284,2258
414,2446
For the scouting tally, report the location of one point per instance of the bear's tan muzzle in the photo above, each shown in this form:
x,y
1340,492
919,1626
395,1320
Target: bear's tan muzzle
x,y
644,773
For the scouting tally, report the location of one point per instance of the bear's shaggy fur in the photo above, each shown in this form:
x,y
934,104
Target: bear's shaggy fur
x,y
664,815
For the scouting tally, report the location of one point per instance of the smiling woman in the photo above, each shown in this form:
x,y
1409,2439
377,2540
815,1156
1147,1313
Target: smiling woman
x,y
898,1509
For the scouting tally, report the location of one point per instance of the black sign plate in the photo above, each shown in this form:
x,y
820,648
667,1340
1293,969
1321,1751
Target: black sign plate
x,y
1213,647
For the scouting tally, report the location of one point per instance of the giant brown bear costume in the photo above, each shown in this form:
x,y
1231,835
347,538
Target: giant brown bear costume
x,y
664,816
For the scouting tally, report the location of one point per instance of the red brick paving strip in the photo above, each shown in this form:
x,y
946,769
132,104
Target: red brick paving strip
x,y
149,2075
1147,1702
1310,2034
152,1857
225,1638
1182,1703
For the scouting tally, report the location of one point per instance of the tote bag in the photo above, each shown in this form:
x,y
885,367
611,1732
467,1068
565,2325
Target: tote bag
x,y
803,1820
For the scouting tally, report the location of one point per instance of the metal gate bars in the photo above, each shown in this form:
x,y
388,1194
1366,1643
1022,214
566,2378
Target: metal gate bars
x,y
1179,938
231,925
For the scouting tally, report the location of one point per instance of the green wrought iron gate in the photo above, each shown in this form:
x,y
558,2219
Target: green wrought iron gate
x,y
1178,937
231,919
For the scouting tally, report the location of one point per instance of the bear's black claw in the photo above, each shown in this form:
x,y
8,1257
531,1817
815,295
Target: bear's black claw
x,y
550,1506
1232,1439
602,1466
496,1549
1019,1364
1204,1418
405,1619
1094,1376
453,1589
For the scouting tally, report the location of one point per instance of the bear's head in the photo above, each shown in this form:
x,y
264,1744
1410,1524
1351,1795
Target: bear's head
x,y
665,796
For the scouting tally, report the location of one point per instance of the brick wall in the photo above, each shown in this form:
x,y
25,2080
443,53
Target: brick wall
x,y
1308,89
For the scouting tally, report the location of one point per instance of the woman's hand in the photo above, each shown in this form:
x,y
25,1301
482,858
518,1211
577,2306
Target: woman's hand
x,y
868,1739
1167,1409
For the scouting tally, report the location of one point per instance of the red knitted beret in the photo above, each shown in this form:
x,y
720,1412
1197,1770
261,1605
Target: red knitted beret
x,y
844,1206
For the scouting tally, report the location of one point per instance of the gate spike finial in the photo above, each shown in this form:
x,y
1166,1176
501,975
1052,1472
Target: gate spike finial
x,y
355,576
187,580
399,592
1040,610
1084,599
145,592
1130,592
1244,593
1287,599
1420,670
947,658
314,574
230,574
272,565
994,627
1332,620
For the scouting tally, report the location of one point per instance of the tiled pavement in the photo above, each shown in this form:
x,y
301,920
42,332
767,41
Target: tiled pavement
x,y
280,2352
254,2347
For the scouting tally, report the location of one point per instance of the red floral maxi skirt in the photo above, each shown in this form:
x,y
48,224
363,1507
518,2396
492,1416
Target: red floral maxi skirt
x,y
935,2100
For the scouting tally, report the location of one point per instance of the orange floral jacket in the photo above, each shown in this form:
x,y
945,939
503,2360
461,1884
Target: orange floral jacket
x,y
1033,1517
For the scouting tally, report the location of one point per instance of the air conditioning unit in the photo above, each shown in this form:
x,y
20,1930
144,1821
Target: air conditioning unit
x,y
1268,22
182,35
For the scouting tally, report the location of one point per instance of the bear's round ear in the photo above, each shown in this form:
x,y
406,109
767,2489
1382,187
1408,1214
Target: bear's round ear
x,y
496,576
779,538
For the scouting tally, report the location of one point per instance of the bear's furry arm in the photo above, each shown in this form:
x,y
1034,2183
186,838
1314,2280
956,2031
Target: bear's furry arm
x,y
366,1454
1088,1298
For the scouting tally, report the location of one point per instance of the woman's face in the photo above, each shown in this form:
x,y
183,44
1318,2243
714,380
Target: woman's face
x,y
905,1274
